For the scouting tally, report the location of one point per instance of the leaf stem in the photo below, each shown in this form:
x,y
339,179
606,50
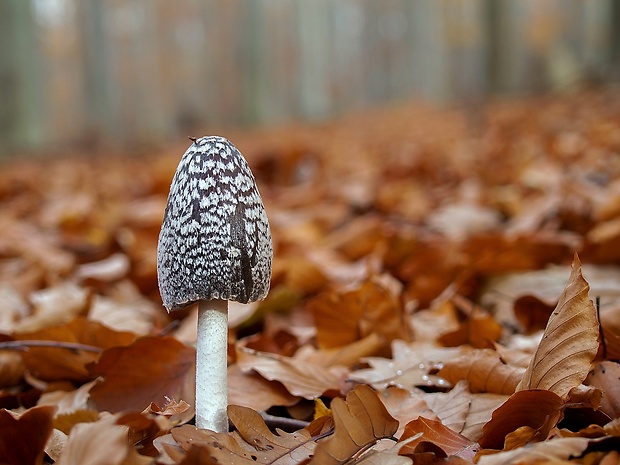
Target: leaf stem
x,y
26,344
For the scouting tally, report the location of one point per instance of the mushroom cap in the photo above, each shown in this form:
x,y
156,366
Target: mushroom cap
x,y
215,241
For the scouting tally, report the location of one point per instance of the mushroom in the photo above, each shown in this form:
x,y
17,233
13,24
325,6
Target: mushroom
x,y
214,246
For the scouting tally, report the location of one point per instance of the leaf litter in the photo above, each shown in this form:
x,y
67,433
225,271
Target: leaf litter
x,y
428,300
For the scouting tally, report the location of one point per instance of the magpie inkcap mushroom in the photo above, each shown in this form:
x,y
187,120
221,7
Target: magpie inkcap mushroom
x,y
214,246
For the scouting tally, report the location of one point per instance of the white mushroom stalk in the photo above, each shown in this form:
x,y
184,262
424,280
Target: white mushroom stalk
x,y
214,246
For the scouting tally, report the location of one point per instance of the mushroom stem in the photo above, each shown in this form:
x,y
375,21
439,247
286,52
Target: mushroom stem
x,y
211,365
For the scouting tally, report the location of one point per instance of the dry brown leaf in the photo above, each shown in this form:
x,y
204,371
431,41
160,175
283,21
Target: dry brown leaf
x,y
253,391
11,368
484,371
569,343
405,405
389,456
253,442
165,371
100,443
537,409
605,376
50,363
54,306
428,323
436,433
23,437
479,331
125,309
552,452
411,366
451,407
480,411
303,379
38,246
359,420
344,317
68,401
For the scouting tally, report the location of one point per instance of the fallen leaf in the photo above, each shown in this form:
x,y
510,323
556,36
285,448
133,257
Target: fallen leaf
x,y
68,401
436,433
303,379
11,368
23,437
484,371
165,370
569,343
551,452
100,443
359,420
251,390
605,376
51,363
405,405
451,407
54,306
253,442
480,411
411,366
537,409
343,318
478,331
390,456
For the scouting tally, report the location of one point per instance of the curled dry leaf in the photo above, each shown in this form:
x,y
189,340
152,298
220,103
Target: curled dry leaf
x,y
165,371
569,343
555,451
484,371
436,433
301,378
253,442
68,401
537,409
359,420
23,437
605,376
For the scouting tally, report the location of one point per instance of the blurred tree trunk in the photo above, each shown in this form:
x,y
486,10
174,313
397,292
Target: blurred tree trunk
x,y
21,118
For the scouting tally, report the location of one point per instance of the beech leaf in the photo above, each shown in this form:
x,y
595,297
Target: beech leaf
x,y
51,363
569,343
550,452
252,443
484,370
100,443
537,409
359,421
436,433
165,367
23,437
301,378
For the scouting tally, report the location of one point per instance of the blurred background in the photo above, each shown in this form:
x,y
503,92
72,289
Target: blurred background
x,y
133,74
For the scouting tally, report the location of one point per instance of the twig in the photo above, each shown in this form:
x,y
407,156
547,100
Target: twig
x,y
282,422
26,344
600,325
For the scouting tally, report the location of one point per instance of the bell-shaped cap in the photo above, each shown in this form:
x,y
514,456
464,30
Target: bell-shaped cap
x,y
215,241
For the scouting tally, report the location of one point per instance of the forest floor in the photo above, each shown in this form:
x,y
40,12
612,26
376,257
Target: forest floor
x,y
445,289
